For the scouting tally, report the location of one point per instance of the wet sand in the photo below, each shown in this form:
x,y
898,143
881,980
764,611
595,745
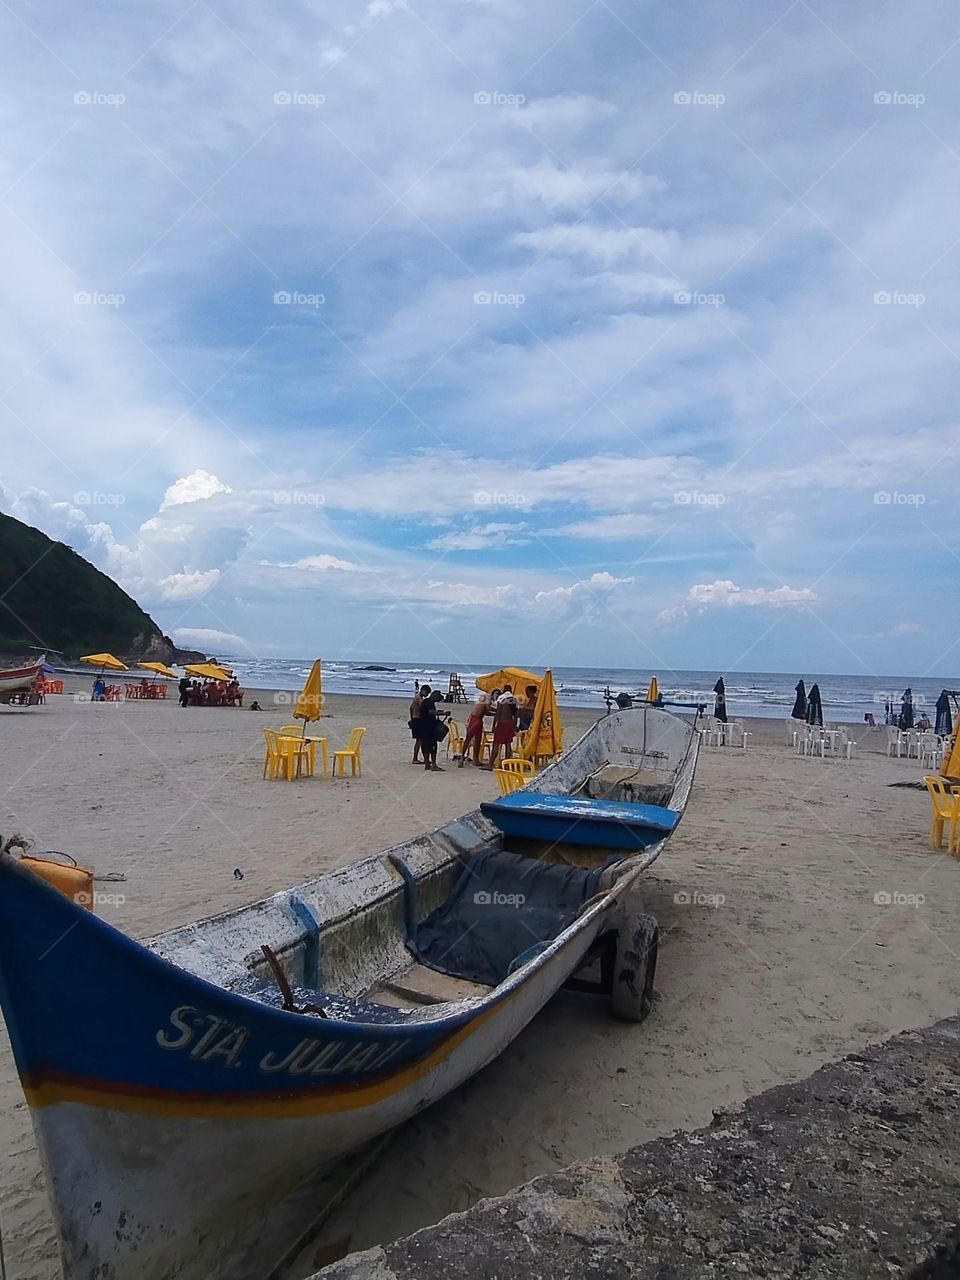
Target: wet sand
x,y
777,955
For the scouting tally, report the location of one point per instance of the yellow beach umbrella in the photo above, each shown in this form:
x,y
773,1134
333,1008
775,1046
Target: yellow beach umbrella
x,y
515,677
545,735
653,693
105,661
208,671
159,668
310,703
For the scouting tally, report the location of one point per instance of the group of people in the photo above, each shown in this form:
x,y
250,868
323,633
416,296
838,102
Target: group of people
x,y
506,712
210,693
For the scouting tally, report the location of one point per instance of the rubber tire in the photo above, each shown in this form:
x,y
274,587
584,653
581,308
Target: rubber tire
x,y
635,967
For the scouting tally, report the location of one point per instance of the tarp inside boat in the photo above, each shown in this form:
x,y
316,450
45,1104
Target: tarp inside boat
x,y
501,906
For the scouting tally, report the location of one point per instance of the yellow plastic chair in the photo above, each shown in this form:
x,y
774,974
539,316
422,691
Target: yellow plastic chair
x,y
508,779
350,752
486,745
271,760
314,740
946,808
454,739
513,764
286,757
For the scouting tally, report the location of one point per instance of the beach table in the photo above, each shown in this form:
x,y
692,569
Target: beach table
x,y
314,740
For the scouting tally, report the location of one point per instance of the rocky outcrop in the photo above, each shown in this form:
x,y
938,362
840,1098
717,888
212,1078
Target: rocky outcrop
x,y
853,1173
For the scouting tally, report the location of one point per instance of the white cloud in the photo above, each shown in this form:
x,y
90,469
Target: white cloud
x,y
192,488
586,598
482,536
606,245
187,586
726,594
317,564
207,638
565,112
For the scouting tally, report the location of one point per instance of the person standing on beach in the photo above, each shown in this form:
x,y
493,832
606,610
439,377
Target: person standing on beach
x,y
504,725
528,708
430,731
906,710
422,691
474,731
184,687
720,706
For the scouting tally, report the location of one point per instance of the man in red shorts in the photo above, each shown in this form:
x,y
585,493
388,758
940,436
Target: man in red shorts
x,y
505,713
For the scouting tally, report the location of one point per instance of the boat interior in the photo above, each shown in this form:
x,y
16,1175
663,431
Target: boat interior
x,y
442,919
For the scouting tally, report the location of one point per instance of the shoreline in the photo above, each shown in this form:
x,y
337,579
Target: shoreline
x,y
80,682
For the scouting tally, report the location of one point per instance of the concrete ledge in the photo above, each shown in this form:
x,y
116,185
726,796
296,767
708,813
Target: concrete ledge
x,y
853,1173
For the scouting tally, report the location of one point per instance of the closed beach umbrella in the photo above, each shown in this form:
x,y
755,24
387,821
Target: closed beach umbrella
x,y
515,677
906,710
653,693
720,706
799,711
944,724
814,706
105,661
158,668
545,735
310,703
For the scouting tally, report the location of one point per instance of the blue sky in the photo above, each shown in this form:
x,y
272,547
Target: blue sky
x,y
583,333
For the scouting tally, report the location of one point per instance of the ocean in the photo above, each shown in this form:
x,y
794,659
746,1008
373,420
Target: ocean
x,y
749,693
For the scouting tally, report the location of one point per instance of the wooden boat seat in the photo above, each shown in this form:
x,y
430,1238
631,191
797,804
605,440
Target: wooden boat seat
x,y
623,782
416,986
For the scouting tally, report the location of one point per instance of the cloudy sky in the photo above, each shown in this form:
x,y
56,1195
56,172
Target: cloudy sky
x,y
570,331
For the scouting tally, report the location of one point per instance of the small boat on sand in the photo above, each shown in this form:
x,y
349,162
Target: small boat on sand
x,y
16,680
181,1089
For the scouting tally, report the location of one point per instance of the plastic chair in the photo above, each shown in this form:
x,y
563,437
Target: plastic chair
x,y
514,764
509,780
312,740
929,750
286,757
486,745
350,752
454,739
946,808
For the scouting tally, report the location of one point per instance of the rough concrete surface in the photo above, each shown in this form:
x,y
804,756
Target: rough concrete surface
x,y
854,1173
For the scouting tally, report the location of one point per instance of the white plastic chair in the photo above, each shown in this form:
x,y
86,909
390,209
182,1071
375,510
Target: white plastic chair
x,y
929,750
894,744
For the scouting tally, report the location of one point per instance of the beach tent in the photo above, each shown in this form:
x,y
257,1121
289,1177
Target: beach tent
x,y
545,735
159,668
515,677
310,703
105,661
208,671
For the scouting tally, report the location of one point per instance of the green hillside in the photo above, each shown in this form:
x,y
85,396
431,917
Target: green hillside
x,y
51,598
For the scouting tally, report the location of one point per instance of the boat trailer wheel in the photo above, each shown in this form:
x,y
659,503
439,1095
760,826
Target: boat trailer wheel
x,y
635,966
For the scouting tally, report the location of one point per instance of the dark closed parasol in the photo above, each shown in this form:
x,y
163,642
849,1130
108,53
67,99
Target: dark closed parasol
x,y
814,706
799,711
720,706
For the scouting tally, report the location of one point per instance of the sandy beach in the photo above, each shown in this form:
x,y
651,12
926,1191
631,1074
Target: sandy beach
x,y
777,954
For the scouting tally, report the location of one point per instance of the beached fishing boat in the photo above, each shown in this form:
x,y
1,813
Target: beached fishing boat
x,y
181,1088
16,680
